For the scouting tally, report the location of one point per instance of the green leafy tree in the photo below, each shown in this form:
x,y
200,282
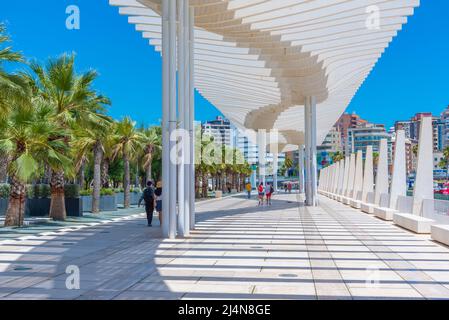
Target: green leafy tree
x,y
28,137
75,102
128,141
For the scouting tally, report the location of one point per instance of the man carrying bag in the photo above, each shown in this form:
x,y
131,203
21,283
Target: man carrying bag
x,y
149,198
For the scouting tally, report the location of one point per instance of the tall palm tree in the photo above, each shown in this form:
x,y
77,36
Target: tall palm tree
x,y
12,90
75,101
89,140
128,142
152,144
27,136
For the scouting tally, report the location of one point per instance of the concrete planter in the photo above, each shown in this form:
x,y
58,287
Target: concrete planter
x,y
107,203
74,207
120,197
38,207
134,198
3,206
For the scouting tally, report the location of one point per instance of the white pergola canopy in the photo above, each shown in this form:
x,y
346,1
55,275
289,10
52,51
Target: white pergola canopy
x,y
257,60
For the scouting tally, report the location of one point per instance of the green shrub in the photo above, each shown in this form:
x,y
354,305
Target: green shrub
x,y
41,191
107,192
136,190
87,192
72,191
119,190
30,191
4,190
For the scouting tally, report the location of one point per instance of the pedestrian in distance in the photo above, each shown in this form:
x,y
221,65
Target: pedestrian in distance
x,y
158,194
249,188
270,191
261,191
148,197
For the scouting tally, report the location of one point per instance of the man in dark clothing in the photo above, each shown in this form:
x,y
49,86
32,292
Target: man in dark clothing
x,y
148,197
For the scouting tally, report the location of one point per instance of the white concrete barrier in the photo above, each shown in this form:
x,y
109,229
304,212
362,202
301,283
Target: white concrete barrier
x,y
440,233
385,213
413,222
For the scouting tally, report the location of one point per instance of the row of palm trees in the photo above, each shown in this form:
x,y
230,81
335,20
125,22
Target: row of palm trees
x,y
53,124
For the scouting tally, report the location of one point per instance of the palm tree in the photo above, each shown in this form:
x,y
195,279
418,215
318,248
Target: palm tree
x,y
12,90
444,163
337,156
152,140
75,102
128,141
92,140
28,137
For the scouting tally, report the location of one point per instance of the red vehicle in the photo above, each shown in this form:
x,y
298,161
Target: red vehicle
x,y
444,191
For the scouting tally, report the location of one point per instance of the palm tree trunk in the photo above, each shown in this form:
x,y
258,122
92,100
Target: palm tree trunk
x,y
105,173
149,173
57,206
81,176
4,161
16,204
126,180
98,156
205,184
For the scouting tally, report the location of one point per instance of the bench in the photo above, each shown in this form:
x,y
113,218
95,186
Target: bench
x,y
356,204
440,233
414,223
368,207
385,213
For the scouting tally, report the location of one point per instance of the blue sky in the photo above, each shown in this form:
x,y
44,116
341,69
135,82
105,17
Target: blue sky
x,y
412,76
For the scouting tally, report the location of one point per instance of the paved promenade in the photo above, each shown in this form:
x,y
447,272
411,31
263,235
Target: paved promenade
x,y
239,251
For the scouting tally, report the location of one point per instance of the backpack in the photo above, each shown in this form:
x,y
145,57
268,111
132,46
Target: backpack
x,y
148,195
271,189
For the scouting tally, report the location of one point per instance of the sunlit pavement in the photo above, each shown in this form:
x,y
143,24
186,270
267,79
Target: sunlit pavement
x,y
238,251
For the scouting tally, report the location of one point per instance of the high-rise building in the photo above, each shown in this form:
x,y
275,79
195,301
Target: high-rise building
x,y
367,135
348,121
412,127
220,129
445,127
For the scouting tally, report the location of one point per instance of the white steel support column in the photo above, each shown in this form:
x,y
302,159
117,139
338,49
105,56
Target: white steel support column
x,y
301,170
182,123
187,121
310,137
275,170
262,135
191,65
165,120
173,117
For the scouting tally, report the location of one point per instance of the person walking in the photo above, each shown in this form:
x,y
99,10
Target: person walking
x,y
270,191
149,197
249,188
158,194
261,191
289,187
